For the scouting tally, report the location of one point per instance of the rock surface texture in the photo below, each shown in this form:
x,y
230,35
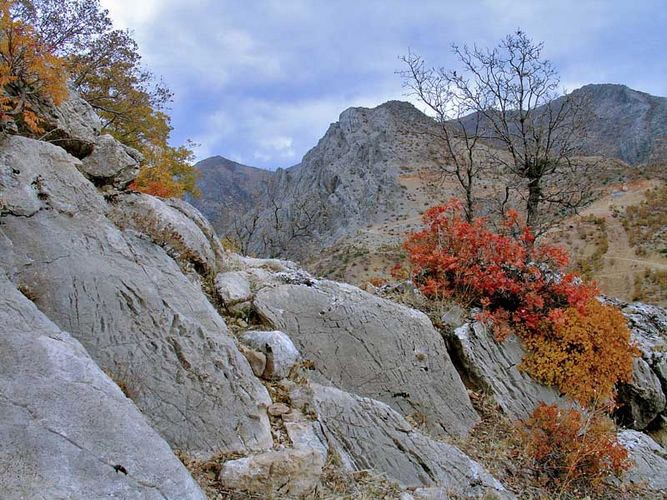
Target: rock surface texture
x,y
66,430
368,434
649,458
126,300
372,347
494,367
644,400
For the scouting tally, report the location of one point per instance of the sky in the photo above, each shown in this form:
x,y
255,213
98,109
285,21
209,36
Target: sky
x,y
260,81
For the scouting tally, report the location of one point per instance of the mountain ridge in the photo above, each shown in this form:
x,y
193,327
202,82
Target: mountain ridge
x,y
370,167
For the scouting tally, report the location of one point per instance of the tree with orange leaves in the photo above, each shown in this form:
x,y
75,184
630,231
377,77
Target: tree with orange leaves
x,y
29,71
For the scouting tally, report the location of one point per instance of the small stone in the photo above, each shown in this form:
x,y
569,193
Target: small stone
x,y
256,359
277,409
285,473
242,323
233,287
281,355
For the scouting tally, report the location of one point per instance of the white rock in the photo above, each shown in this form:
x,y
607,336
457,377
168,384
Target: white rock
x,y
281,355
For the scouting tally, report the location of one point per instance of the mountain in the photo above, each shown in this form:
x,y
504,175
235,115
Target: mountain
x,y
626,124
374,171
349,181
228,190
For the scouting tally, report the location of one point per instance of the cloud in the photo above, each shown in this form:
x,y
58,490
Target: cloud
x,y
261,81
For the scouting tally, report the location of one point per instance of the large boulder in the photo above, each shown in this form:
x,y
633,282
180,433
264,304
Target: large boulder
x,y
111,163
649,460
373,347
168,227
368,434
66,430
126,300
494,367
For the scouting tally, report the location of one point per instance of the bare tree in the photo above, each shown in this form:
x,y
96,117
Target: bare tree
x,y
436,88
280,225
514,101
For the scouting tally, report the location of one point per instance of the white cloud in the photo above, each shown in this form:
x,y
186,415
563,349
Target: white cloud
x,y
132,14
250,77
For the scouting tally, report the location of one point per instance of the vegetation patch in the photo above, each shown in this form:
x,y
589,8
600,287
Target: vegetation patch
x,y
646,223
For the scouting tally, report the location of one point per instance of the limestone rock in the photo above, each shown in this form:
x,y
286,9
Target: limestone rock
x,y
368,345
650,460
64,425
168,227
286,473
645,398
74,125
494,366
642,399
305,433
111,163
280,353
126,300
368,434
233,287
256,359
202,223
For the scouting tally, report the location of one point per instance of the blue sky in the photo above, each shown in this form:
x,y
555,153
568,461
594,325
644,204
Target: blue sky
x,y
259,81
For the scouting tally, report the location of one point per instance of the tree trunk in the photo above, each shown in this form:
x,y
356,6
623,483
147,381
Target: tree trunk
x,y
534,197
470,204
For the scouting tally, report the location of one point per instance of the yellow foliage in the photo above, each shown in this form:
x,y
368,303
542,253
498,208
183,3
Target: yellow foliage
x,y
585,354
29,71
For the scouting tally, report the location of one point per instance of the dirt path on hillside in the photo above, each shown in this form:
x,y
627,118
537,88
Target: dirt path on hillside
x,y
621,264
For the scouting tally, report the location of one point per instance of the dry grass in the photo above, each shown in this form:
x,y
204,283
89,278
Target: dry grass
x,y
646,223
335,483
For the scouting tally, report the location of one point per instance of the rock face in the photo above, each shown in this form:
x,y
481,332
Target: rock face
x,y
368,434
65,426
126,300
372,347
649,458
494,367
644,400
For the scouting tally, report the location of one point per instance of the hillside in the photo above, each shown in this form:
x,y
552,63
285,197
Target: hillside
x,y
344,209
626,124
228,190
139,359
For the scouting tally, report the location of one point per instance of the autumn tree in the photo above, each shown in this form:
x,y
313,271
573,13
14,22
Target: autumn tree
x,y
515,104
29,72
457,128
104,67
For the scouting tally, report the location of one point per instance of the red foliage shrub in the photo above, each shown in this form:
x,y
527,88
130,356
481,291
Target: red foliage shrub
x,y
514,281
565,446
574,342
